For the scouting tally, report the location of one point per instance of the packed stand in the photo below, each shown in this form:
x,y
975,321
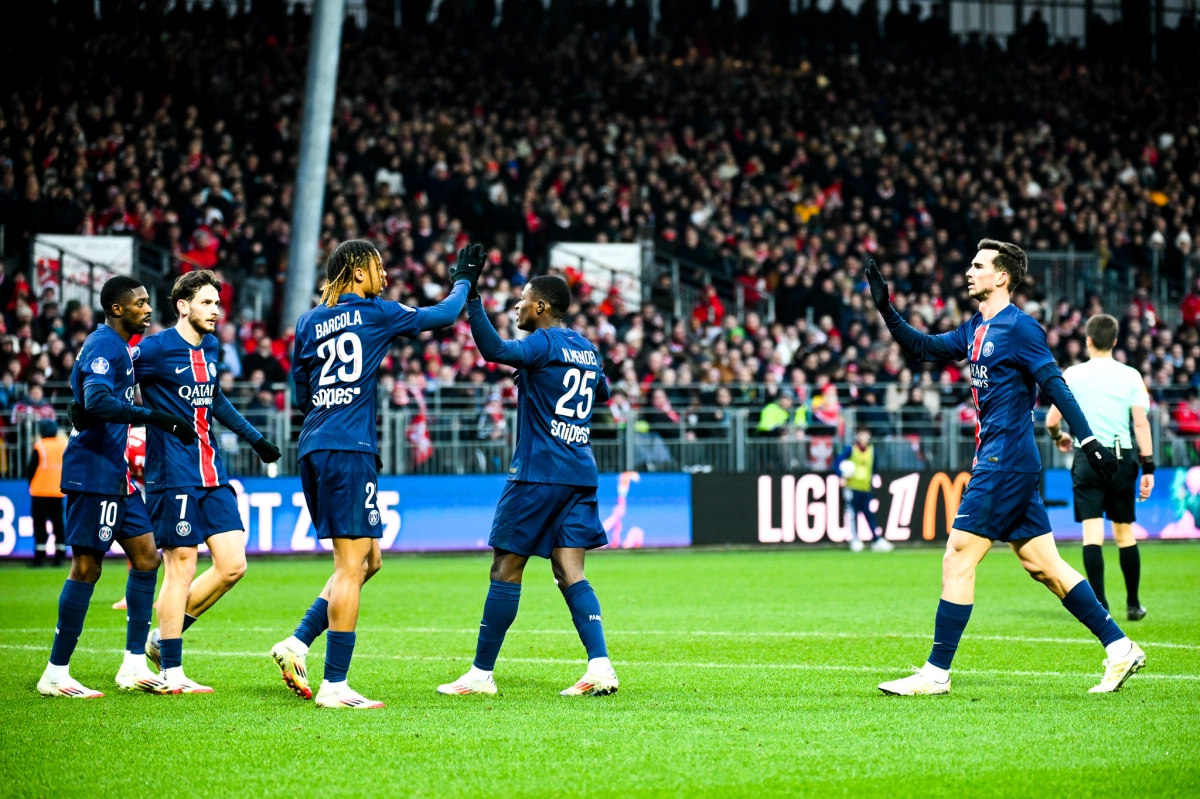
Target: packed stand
x,y
779,156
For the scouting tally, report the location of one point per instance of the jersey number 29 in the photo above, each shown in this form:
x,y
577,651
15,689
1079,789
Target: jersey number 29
x,y
575,382
347,349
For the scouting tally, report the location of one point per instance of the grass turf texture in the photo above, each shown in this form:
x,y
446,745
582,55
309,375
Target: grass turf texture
x,y
742,673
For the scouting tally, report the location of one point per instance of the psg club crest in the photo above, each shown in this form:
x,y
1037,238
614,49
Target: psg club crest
x,y
106,533
100,366
373,517
183,528
988,349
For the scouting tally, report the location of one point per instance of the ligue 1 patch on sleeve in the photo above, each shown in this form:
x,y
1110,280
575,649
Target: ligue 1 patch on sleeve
x,y
134,353
100,366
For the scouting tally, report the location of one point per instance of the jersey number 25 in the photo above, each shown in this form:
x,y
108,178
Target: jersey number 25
x,y
576,382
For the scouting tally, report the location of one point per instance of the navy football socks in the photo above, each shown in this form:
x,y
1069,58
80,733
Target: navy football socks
x,y
171,650
188,621
139,601
1082,603
585,612
72,609
499,611
948,628
339,648
315,622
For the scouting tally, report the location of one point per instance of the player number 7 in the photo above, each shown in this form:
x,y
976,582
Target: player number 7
x,y
576,382
182,505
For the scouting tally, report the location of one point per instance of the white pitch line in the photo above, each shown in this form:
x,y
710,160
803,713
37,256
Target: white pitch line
x,y
646,664
685,633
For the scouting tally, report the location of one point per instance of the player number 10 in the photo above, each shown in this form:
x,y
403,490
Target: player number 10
x,y
576,382
345,348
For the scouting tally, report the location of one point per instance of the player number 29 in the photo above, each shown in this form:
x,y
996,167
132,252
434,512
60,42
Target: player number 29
x,y
347,349
576,382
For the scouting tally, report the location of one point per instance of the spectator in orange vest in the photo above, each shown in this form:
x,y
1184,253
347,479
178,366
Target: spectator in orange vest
x,y
44,472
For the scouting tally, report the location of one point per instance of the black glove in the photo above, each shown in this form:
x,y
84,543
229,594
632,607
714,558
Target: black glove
x,y
879,289
378,463
268,452
175,425
1100,458
469,267
80,419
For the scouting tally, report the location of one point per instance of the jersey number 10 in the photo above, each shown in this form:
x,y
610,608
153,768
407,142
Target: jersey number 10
x,y
347,349
576,382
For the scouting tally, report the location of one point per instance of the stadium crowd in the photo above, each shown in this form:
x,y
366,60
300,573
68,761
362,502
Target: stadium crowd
x,y
780,161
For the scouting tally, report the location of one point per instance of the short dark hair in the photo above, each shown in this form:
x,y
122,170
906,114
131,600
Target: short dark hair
x,y
1010,258
554,290
186,286
117,290
1102,329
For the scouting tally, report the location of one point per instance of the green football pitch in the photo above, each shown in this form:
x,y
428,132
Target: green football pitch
x,y
742,674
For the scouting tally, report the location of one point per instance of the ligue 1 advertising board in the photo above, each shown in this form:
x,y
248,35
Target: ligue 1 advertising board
x,y
909,507
418,514
424,514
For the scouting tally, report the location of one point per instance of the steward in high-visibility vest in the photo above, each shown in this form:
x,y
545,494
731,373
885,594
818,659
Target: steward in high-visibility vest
x,y
44,471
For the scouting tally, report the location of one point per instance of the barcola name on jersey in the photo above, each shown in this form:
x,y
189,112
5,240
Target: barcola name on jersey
x,y
336,323
570,433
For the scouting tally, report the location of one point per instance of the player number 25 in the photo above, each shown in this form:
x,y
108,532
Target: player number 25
x,y
576,382
345,348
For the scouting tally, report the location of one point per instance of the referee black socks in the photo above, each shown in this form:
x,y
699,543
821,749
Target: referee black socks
x,y
1131,567
1093,564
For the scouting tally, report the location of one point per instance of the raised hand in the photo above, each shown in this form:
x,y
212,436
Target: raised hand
x,y
879,289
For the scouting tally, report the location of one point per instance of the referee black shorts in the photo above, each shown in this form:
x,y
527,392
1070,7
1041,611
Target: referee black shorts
x,y
1095,499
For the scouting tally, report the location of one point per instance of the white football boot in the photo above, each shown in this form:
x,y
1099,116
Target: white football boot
x,y
1119,669
600,680
179,683
927,681
882,545
153,650
56,681
135,675
475,681
339,694
856,545
290,656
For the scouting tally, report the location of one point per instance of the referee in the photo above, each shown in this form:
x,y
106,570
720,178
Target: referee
x,y
1110,393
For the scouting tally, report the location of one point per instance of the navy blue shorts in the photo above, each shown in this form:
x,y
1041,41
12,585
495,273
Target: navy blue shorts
x,y
341,489
94,520
1003,506
534,518
186,517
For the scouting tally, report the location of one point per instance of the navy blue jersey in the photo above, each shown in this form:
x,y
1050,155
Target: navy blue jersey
x,y
94,460
337,354
558,386
180,379
1004,354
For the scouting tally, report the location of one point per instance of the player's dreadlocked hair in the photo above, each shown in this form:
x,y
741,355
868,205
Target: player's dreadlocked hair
x,y
1009,258
339,270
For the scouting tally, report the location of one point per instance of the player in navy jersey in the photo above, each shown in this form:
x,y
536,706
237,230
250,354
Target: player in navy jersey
x,y
1008,359
339,347
102,503
187,490
548,507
